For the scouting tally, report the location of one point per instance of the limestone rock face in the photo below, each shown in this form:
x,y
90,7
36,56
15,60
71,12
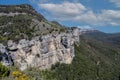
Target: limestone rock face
x,y
2,48
43,52
76,33
5,57
11,45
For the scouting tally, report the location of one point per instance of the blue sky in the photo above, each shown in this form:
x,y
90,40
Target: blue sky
x,y
103,15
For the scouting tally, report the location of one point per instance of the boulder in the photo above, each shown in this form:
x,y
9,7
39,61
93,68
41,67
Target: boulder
x,y
2,48
11,45
64,41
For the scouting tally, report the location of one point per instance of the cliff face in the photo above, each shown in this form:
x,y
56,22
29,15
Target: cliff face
x,y
20,23
42,51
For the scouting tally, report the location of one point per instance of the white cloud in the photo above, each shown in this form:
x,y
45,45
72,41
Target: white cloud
x,y
76,12
65,8
109,17
85,27
116,2
87,17
69,11
38,1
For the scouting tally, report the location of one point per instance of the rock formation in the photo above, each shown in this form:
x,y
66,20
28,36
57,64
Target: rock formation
x,y
42,51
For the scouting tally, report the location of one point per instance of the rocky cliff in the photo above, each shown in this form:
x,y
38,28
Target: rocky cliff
x,y
41,51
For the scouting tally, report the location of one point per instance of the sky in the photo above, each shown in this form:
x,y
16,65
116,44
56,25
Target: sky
x,y
103,15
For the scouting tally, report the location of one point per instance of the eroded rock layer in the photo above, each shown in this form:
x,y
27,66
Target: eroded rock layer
x,y
42,51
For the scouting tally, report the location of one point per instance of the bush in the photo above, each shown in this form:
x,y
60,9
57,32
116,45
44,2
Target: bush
x,y
18,75
4,71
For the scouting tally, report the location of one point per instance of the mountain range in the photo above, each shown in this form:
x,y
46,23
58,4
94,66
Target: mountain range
x,y
97,54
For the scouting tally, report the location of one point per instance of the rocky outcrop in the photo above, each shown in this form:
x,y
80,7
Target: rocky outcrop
x,y
5,56
43,51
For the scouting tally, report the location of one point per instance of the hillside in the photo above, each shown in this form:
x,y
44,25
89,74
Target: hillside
x,y
22,21
94,60
20,9
112,39
43,52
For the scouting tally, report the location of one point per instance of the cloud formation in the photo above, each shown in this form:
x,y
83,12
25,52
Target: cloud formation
x,y
116,2
85,27
77,12
64,8
110,17
38,1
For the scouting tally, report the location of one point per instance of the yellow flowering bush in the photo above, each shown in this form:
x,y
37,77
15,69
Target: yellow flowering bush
x,y
19,75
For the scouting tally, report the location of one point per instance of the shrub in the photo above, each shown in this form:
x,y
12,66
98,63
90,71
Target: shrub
x,y
18,75
4,71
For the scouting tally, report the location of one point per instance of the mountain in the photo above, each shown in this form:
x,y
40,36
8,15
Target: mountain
x,y
109,39
22,21
96,58
28,40
20,9
46,50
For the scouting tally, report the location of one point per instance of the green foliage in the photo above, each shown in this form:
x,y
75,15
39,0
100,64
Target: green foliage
x,y
3,38
24,8
15,28
22,26
93,61
62,30
4,71
109,39
97,57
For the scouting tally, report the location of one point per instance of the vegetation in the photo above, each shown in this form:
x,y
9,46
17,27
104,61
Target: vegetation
x,y
15,28
108,39
21,26
24,8
94,60
26,26
18,75
97,56
4,71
